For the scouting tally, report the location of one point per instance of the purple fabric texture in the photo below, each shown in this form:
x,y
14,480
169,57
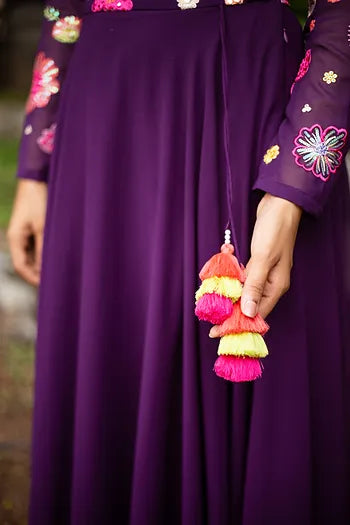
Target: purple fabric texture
x,y
131,425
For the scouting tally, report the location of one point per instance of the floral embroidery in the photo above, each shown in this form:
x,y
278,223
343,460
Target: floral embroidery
x,y
187,4
28,130
67,30
112,5
46,139
44,83
271,154
306,108
330,77
51,13
319,150
312,25
333,1
234,2
304,68
286,2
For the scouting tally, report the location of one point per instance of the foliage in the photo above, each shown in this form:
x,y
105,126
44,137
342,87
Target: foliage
x,y
8,159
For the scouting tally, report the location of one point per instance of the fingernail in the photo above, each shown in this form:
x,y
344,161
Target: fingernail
x,y
249,308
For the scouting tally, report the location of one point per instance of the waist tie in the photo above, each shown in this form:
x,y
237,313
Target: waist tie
x,y
99,6
228,172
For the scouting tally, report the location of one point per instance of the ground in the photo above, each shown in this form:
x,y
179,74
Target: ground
x,y
16,362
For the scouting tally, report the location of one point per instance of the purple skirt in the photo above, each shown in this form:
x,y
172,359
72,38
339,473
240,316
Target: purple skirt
x,y
131,425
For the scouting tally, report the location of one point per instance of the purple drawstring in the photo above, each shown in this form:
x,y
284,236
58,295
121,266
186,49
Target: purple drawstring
x,y
224,77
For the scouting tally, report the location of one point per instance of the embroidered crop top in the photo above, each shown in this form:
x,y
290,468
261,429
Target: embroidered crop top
x,y
302,162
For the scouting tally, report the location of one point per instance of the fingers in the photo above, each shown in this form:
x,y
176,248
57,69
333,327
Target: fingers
x,y
18,243
276,286
253,289
38,250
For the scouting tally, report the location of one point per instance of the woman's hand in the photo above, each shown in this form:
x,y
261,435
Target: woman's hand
x,y
268,270
25,232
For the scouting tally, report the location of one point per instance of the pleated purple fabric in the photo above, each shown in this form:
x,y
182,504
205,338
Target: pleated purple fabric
x,y
131,425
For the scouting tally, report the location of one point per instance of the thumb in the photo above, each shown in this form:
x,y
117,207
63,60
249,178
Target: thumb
x,y
257,272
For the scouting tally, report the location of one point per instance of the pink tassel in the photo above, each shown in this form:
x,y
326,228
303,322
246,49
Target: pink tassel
x,y
238,369
214,308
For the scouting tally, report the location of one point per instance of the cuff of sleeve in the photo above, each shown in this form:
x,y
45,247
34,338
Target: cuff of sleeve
x,y
38,175
289,193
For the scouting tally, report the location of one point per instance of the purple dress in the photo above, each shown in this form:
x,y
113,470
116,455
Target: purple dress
x,y
131,425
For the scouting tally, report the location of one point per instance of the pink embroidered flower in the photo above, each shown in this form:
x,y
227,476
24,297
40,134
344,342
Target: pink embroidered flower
x,y
47,139
319,150
304,68
333,1
67,30
44,83
112,5
312,24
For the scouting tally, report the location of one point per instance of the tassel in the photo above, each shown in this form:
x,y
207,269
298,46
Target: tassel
x,y
223,264
238,369
238,323
214,308
246,344
226,286
218,301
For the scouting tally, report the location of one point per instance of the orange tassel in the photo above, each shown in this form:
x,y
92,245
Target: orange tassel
x,y
238,323
223,264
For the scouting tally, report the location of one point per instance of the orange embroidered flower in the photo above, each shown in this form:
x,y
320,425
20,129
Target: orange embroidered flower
x,y
271,154
44,83
330,77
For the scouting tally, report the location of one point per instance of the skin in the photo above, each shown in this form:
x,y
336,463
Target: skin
x,y
268,270
25,231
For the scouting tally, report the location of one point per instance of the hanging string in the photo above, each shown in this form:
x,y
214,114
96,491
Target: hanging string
x,y
224,77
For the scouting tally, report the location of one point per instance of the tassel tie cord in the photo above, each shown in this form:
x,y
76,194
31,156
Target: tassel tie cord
x,y
241,346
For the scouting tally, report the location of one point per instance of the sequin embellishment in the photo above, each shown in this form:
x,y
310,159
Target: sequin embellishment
x,y
51,13
44,83
318,150
67,30
303,68
271,154
111,5
187,4
47,139
330,77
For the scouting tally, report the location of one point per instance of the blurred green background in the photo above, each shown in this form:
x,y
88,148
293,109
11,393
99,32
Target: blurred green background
x,y
19,30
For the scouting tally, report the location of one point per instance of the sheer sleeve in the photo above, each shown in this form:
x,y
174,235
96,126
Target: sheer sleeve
x,y
304,161
60,30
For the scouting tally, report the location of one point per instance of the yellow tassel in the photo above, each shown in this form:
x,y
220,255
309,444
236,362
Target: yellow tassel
x,y
226,286
245,344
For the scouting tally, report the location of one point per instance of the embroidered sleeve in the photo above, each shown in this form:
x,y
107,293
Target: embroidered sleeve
x,y
60,30
305,160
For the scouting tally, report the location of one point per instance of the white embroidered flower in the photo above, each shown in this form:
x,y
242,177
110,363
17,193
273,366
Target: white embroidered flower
x,y
28,130
187,4
234,2
307,108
